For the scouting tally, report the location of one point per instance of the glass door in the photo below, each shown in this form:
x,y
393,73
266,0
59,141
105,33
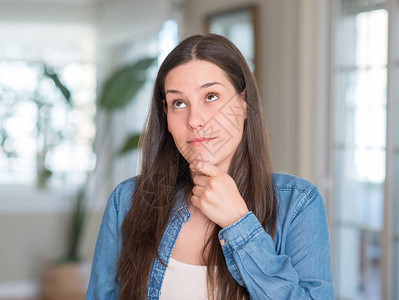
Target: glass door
x,y
359,147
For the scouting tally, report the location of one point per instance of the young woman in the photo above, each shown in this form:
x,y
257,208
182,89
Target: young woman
x,y
206,218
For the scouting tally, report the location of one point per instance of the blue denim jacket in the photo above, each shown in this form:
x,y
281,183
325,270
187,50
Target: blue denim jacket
x,y
293,265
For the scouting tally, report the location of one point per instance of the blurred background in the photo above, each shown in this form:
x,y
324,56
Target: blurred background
x,y
75,86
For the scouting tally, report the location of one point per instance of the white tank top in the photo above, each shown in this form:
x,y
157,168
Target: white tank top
x,y
184,281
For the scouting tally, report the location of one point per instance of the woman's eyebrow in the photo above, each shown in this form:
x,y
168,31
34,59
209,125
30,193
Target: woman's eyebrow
x,y
210,84
202,87
173,92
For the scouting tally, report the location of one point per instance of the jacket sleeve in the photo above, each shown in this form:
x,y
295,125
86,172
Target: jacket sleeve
x,y
301,271
102,280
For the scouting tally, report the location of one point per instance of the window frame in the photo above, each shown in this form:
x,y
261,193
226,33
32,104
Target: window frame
x,y
388,272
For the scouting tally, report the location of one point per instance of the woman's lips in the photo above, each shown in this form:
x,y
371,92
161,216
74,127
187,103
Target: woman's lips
x,y
200,141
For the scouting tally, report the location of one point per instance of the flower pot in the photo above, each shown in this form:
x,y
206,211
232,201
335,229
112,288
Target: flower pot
x,y
67,281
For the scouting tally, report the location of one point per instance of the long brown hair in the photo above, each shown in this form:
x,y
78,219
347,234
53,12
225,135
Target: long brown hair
x,y
164,172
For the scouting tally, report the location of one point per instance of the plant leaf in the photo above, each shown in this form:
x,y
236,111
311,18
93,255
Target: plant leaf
x,y
121,87
55,78
131,143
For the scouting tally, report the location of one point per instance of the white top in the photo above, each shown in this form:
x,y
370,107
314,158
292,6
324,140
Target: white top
x,y
184,281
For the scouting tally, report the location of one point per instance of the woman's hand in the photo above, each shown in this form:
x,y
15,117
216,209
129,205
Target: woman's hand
x,y
216,194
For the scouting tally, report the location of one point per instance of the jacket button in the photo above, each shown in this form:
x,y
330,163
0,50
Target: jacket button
x,y
222,242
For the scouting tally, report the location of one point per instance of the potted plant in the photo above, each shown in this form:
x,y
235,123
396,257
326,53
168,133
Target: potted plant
x,y
121,88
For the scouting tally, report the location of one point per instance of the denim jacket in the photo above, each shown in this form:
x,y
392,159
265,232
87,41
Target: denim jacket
x,y
293,265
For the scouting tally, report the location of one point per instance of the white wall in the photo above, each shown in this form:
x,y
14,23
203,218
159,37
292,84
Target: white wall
x,y
48,12
122,21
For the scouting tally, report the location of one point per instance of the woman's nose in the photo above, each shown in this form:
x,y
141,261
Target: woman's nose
x,y
196,119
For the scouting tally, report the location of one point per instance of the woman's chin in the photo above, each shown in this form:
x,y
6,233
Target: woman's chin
x,y
204,155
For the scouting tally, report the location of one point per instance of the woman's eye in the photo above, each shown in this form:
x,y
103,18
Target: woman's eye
x,y
212,97
178,104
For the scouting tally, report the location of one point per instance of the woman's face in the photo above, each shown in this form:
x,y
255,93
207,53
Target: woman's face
x,y
205,114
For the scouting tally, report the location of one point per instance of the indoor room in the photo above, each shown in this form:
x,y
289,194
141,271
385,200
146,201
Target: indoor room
x,y
77,79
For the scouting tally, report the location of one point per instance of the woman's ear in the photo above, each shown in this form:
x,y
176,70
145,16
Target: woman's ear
x,y
165,108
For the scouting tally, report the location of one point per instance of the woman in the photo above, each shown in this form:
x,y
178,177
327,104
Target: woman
x,y
206,217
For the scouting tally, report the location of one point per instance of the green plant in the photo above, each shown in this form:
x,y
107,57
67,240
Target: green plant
x,y
121,88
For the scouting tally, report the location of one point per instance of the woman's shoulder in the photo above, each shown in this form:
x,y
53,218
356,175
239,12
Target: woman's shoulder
x,y
122,194
291,182
126,185
295,193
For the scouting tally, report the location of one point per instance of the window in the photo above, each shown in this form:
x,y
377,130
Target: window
x,y
44,140
363,177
